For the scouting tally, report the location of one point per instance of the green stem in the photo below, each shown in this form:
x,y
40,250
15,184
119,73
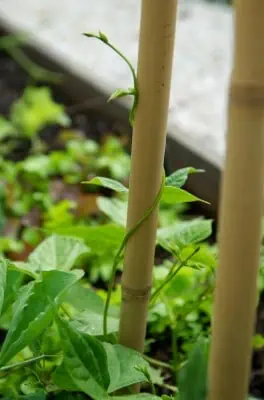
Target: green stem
x,y
158,363
119,254
172,275
104,39
20,364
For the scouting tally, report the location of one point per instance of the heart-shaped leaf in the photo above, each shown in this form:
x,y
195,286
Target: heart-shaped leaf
x,y
85,361
122,363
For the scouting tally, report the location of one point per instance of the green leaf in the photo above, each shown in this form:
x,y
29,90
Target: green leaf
x,y
3,278
193,376
175,195
32,311
98,238
91,323
114,208
85,361
121,93
35,396
82,298
121,365
184,233
107,183
103,37
57,252
35,110
179,177
6,128
63,380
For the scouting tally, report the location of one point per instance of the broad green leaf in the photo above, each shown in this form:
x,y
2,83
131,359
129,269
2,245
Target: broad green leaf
x,y
107,183
33,312
193,376
91,323
63,380
23,268
98,238
3,277
121,365
114,208
184,233
82,298
179,177
174,195
85,361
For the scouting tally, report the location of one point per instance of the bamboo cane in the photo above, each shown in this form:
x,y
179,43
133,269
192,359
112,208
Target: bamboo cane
x,y
157,31
241,210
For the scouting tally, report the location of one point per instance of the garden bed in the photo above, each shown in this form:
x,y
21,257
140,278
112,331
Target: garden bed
x,y
90,122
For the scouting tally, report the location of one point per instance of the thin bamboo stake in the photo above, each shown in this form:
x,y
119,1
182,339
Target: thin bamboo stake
x,y
157,32
241,210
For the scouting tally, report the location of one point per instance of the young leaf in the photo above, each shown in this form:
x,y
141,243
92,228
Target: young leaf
x,y
179,177
193,377
98,238
175,195
107,183
121,93
121,365
3,276
57,252
114,208
85,361
32,311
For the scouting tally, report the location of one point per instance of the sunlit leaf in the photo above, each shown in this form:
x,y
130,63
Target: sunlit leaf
x,y
114,208
107,183
3,276
174,195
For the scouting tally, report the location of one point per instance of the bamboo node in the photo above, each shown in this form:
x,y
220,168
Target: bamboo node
x,y
248,93
129,294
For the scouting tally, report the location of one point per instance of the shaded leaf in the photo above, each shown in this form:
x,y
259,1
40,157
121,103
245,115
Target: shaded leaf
x,y
13,283
91,323
121,365
174,195
32,311
184,233
107,183
140,396
63,380
179,177
114,208
85,361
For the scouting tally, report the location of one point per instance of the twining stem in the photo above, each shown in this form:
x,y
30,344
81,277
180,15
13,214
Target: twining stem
x,y
135,93
172,274
120,252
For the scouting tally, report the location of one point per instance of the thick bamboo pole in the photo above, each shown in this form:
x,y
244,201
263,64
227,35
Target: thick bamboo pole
x,y
241,210
156,44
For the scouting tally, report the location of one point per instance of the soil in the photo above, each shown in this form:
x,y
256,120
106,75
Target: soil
x,y
13,80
